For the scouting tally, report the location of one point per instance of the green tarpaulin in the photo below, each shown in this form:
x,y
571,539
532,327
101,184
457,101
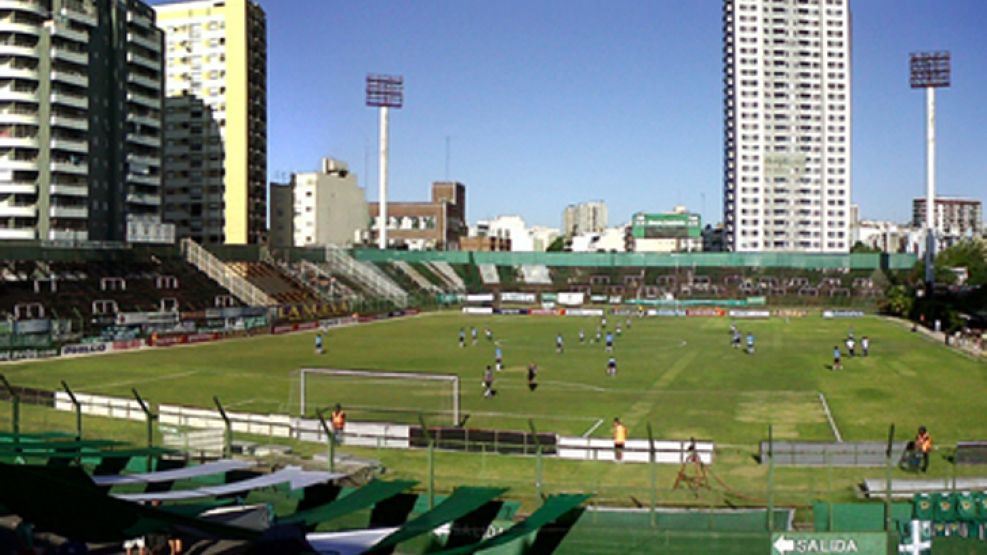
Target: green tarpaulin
x,y
368,495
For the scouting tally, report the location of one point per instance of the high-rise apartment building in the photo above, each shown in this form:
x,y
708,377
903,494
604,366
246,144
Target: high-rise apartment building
x,y
787,125
216,107
955,218
80,119
585,217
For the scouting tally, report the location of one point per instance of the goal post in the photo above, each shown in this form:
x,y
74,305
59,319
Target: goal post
x,y
375,389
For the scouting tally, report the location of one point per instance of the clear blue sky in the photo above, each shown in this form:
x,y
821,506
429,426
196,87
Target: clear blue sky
x,y
548,103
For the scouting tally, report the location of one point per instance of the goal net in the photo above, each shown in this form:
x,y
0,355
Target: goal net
x,y
380,395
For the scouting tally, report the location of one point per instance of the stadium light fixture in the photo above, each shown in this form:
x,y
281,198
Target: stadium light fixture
x,y
930,71
384,92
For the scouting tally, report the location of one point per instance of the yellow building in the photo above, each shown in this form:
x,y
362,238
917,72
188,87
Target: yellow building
x,y
215,119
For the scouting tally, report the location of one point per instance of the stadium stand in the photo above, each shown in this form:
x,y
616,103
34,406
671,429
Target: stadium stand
x,y
452,279
535,274
280,287
489,275
420,281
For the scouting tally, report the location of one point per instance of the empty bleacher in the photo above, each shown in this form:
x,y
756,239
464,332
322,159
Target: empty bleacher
x,y
281,287
488,273
536,274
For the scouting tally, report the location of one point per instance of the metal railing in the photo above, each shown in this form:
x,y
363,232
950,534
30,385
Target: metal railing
x,y
366,274
337,292
240,287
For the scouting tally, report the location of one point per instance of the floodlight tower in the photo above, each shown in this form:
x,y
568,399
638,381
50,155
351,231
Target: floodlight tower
x,y
383,92
929,71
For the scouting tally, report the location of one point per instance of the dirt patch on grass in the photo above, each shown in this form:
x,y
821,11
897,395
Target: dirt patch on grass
x,y
783,410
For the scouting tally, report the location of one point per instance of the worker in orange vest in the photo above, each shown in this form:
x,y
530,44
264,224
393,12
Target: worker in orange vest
x,y
338,422
619,439
923,442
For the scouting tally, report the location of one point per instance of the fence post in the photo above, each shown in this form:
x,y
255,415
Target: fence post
x,y
15,400
538,460
887,480
228,434
771,479
431,462
332,439
829,485
78,411
654,474
150,426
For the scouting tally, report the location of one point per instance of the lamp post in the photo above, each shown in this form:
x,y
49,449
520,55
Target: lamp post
x,y
384,92
929,71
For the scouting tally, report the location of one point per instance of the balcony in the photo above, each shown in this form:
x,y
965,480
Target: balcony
x,y
146,140
146,42
18,71
18,116
80,58
66,99
26,141
73,78
26,233
68,235
24,95
12,48
69,212
17,188
11,25
18,210
141,179
143,119
70,145
138,19
76,168
33,6
144,199
80,14
145,161
143,80
142,60
61,30
70,122
144,100
27,164
69,190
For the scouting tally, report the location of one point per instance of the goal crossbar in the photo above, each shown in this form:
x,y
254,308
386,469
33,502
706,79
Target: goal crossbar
x,y
375,374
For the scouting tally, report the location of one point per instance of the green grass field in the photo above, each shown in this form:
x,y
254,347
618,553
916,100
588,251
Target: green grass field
x,y
679,375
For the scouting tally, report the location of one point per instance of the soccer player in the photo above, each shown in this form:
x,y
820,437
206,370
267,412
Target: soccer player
x,y
736,338
850,344
462,338
628,323
599,335
618,330
488,333
603,322
750,343
488,379
532,376
865,345
609,342
582,336
499,358
559,344
318,343
473,333
619,439
837,358
612,367
338,421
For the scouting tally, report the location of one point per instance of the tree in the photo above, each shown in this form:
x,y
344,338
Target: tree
x,y
860,247
899,301
970,254
557,245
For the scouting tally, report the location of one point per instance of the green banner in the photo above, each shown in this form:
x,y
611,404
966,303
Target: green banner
x,y
856,543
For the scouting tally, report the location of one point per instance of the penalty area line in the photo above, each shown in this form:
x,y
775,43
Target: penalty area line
x,y
829,417
593,428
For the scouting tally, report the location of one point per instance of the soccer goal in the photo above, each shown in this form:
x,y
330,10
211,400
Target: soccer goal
x,y
380,395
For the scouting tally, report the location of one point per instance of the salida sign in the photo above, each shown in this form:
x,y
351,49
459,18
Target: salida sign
x,y
829,542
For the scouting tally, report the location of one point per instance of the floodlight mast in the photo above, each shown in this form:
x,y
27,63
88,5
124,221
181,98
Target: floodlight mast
x,y
384,92
929,71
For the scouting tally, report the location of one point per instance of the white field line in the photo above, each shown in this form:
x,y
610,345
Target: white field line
x,y
589,432
162,378
829,416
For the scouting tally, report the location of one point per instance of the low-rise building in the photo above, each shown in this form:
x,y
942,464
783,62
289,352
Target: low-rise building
x,y
439,224
326,207
954,218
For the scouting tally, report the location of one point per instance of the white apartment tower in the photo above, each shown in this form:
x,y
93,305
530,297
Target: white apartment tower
x,y
787,120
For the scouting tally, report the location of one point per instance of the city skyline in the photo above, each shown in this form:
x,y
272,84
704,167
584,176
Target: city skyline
x,y
623,105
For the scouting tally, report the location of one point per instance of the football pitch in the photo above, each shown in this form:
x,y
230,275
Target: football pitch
x,y
681,376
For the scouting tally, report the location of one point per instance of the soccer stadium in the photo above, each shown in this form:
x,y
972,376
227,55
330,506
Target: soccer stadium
x,y
453,402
